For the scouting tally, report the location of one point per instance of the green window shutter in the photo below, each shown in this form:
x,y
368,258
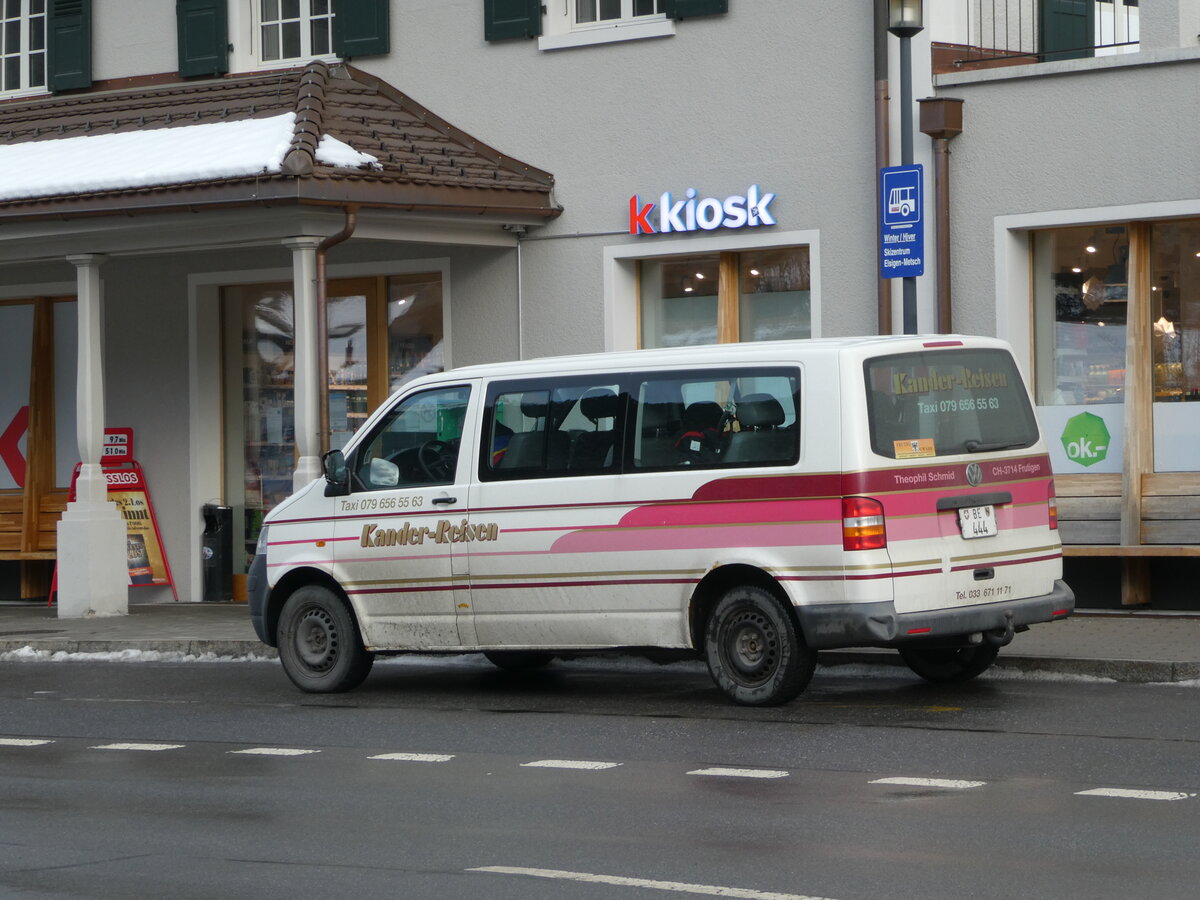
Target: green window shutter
x,y
360,28
504,19
68,44
1068,29
685,9
203,37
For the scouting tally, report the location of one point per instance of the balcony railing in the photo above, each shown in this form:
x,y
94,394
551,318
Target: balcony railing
x,y
987,33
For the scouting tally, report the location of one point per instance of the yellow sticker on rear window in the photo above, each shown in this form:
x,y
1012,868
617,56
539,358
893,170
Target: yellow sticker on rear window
x,y
914,449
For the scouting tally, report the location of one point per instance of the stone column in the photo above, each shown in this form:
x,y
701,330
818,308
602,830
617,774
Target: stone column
x,y
307,379
93,571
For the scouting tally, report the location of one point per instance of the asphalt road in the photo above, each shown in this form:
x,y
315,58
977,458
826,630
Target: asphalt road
x,y
447,778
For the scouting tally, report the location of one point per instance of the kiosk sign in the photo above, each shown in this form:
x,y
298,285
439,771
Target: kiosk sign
x,y
902,234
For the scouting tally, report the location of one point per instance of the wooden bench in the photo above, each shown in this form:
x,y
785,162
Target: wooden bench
x,y
1089,522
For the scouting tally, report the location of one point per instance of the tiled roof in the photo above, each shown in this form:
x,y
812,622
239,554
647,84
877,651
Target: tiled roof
x,y
425,163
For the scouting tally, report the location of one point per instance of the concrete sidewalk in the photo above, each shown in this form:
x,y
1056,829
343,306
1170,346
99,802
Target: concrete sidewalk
x,y
1124,647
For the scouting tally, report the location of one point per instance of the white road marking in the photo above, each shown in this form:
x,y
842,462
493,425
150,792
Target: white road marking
x,y
415,757
741,773
23,742
275,751
569,764
139,747
679,887
931,782
1134,795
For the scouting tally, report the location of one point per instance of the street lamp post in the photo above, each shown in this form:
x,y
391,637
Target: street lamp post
x,y
904,21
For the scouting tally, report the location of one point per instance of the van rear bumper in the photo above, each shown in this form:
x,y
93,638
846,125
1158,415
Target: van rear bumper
x,y
878,624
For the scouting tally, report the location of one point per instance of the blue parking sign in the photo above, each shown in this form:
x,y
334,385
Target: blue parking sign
x,y
901,228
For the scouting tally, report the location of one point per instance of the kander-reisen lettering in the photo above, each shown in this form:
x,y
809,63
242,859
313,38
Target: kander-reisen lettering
x,y
444,532
965,379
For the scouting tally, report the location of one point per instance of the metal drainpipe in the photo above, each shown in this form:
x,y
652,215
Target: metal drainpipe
x,y
942,120
882,155
323,323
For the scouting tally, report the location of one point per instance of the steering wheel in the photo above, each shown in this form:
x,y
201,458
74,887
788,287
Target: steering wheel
x,y
436,459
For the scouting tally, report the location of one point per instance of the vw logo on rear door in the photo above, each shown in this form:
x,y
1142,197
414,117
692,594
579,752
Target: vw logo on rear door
x,y
974,474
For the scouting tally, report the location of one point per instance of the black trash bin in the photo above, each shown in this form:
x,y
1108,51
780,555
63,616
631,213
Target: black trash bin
x,y
216,552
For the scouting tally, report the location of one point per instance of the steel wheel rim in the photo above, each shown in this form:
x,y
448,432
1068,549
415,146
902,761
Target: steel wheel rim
x,y
316,640
750,646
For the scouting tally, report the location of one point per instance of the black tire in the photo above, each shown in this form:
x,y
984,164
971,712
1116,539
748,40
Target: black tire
x,y
754,651
319,644
949,665
517,660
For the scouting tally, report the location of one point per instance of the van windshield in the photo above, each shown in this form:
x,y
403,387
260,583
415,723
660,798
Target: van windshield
x,y
946,402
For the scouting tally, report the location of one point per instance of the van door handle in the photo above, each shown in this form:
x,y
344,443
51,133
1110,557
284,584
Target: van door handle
x,y
444,500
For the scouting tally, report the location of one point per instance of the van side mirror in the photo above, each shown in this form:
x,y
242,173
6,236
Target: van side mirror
x,y
337,476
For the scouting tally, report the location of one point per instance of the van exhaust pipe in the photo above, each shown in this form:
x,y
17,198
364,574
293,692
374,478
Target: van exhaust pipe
x,y
1002,637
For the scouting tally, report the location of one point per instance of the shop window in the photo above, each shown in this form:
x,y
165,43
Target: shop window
x,y
1081,295
381,333
756,295
38,450
22,45
1175,342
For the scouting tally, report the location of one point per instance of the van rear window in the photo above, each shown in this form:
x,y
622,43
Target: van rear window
x,y
945,402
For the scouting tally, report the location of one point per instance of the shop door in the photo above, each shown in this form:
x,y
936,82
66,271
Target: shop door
x,y
382,331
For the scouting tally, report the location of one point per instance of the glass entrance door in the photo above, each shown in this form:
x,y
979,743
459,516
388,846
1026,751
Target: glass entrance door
x,y
381,332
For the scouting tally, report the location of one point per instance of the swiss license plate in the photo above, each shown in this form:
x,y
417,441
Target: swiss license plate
x,y
978,521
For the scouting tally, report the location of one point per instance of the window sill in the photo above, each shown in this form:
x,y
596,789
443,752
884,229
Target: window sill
x,y
606,35
24,92
246,66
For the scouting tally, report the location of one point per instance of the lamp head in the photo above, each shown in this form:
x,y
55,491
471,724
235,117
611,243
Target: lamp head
x,y
904,17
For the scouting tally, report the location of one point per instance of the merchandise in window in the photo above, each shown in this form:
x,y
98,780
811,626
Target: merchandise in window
x,y
758,295
1081,295
22,45
1175,310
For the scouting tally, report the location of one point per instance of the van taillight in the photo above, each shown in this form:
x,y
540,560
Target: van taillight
x,y
1052,503
862,524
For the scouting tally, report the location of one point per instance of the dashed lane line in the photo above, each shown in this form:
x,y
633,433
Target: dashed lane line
x,y
678,887
23,742
415,757
1134,795
568,764
948,784
722,772
148,747
274,751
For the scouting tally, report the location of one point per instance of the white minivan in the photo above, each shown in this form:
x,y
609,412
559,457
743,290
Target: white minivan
x,y
750,503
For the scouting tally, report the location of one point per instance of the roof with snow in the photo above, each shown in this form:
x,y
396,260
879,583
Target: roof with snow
x,y
316,135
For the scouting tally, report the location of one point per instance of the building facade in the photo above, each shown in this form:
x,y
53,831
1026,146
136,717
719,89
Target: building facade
x,y
510,179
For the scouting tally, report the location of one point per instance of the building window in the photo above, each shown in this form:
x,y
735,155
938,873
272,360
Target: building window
x,y
1081,296
23,39
295,29
757,295
1175,343
614,12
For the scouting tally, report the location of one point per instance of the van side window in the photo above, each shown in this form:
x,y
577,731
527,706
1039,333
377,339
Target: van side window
x,y
416,444
563,428
739,417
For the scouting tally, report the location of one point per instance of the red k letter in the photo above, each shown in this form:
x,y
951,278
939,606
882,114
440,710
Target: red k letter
x,y
638,223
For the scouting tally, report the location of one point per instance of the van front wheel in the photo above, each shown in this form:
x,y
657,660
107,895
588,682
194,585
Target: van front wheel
x,y
319,644
948,665
753,650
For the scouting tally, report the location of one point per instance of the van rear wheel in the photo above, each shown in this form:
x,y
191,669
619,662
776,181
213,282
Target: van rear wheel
x,y
949,665
319,643
754,651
